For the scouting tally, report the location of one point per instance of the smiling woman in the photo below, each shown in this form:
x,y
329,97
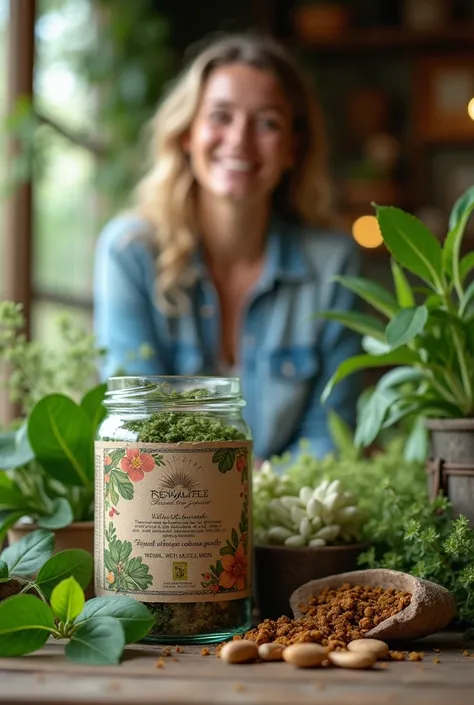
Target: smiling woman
x,y
231,248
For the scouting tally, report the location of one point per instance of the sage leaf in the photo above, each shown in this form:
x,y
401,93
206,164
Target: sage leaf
x,y
25,624
134,617
67,600
416,447
403,290
406,325
361,323
342,435
73,562
372,346
99,641
61,436
452,244
411,243
62,515
371,292
399,375
93,406
3,571
26,556
361,362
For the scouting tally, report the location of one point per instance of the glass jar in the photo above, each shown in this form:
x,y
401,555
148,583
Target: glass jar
x,y
173,461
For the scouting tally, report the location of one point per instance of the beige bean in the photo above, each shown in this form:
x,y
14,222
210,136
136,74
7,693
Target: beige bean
x,y
271,651
353,659
305,655
378,647
239,651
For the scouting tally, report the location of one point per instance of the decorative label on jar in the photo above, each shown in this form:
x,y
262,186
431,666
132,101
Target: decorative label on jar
x,y
172,520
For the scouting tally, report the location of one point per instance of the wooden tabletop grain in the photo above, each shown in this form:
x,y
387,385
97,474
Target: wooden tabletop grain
x,y
147,675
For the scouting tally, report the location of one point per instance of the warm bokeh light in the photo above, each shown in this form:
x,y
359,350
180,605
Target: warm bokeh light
x,y
366,231
470,108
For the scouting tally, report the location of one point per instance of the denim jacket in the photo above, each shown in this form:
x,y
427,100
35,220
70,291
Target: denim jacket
x,y
286,355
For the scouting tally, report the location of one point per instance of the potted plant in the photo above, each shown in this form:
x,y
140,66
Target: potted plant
x,y
427,332
46,456
306,524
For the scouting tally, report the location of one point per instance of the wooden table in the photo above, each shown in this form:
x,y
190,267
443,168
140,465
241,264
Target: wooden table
x,y
191,679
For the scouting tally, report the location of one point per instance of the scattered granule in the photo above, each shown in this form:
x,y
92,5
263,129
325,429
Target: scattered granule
x,y
238,687
160,663
166,651
437,651
179,649
205,652
466,653
175,659
383,665
396,655
334,617
416,656
436,660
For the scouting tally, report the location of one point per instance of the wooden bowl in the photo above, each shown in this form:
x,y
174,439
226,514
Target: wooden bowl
x,y
279,570
431,609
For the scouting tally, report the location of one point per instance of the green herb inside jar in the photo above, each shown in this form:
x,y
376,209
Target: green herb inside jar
x,y
196,415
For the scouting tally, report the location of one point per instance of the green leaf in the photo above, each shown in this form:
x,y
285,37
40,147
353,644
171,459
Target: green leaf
x,y
373,293
462,206
411,243
359,322
406,325
99,642
403,290
114,496
134,617
67,600
26,556
3,570
374,347
416,447
10,495
467,299
15,449
341,434
8,517
235,538
61,516
363,362
375,410
227,551
93,406
400,375
25,624
224,458
73,562
452,244
466,266
61,436
123,484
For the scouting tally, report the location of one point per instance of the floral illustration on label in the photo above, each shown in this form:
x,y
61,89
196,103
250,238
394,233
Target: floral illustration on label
x,y
123,467
123,571
229,574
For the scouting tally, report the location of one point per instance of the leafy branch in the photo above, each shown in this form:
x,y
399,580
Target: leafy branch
x,y
50,602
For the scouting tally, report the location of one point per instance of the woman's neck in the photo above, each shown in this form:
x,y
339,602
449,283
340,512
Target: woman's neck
x,y
230,232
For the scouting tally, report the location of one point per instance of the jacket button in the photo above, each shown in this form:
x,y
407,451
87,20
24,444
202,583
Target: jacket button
x,y
288,369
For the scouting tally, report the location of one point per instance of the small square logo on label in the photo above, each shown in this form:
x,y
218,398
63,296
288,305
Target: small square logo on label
x,y
180,571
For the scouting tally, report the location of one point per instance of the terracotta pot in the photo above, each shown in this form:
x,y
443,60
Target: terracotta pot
x,y
79,534
279,570
451,464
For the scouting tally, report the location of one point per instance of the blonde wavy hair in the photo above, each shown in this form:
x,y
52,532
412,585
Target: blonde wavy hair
x,y
165,196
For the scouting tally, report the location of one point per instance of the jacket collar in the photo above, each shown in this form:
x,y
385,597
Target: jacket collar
x,y
284,257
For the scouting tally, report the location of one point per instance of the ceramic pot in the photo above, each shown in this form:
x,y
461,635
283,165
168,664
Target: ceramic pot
x,y
451,465
279,570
